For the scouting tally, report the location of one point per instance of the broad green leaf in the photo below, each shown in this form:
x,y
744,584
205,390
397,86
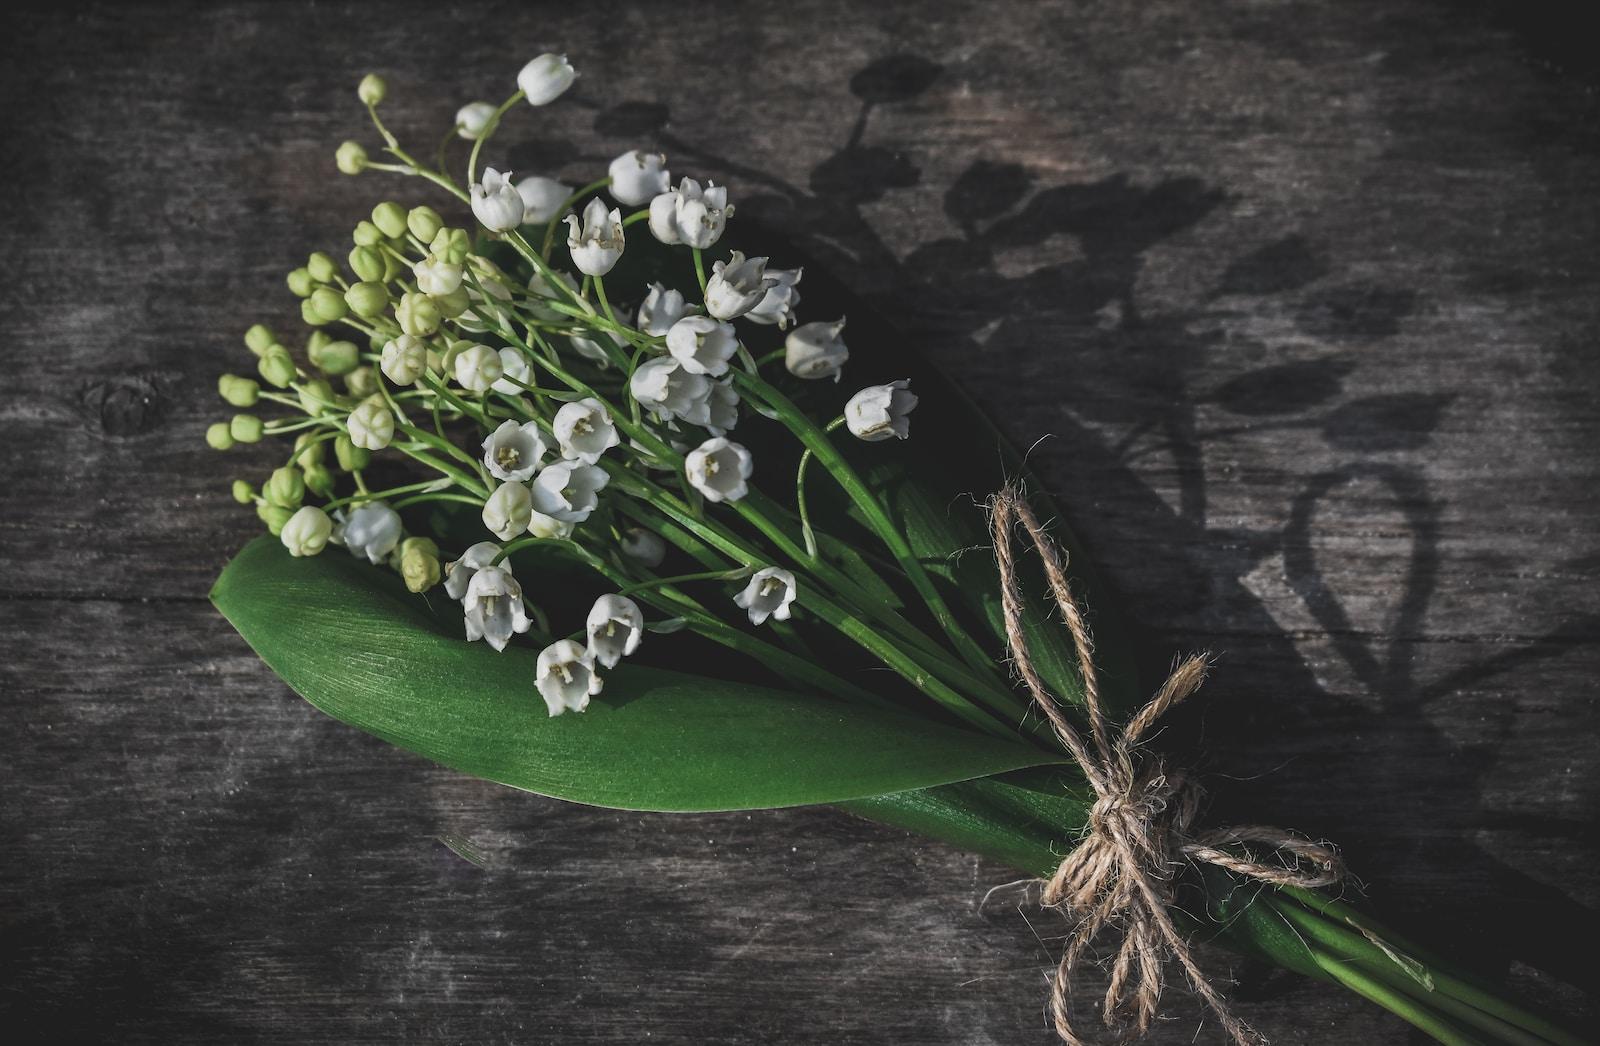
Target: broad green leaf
x,y
353,642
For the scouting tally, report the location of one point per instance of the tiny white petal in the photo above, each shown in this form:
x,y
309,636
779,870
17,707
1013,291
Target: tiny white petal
x,y
598,240
492,607
307,531
702,345
542,198
584,430
371,531
816,350
473,119
546,78
768,594
637,177
495,201
737,286
719,469
477,368
514,452
878,412
508,510
614,627
566,677
458,574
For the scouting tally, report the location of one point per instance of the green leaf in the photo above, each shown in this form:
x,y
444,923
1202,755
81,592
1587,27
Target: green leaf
x,y
353,642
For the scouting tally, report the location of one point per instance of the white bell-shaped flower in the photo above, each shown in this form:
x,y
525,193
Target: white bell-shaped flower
x,y
638,177
569,491
566,677
458,574
592,350
546,78
816,350
307,531
477,368
436,277
737,286
660,309
597,243
542,199
667,390
615,627
701,345
689,215
495,201
513,364
878,412
371,425
493,607
508,510
513,452
718,469
371,531
777,307
473,119
541,288
641,546
722,407
543,526
768,594
584,430
404,360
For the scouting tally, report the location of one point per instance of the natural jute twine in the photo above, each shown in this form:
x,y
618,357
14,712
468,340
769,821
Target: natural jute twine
x,y
1122,875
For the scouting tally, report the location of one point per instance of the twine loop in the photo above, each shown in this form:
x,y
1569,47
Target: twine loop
x,y
1122,875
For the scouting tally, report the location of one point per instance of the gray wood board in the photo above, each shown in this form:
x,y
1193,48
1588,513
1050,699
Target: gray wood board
x,y
1303,294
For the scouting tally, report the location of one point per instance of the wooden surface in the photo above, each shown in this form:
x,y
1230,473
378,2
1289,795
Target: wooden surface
x,y
1303,293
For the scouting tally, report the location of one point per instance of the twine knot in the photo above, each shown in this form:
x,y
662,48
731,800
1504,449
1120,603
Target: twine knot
x,y
1122,875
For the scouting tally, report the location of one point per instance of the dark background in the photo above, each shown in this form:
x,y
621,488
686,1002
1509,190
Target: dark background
x,y
1304,293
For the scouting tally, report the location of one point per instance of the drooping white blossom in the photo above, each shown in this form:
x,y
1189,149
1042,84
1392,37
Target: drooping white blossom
x,y
568,491
371,531
566,677
435,276
640,545
458,574
768,594
404,360
546,78
722,408
542,198
513,452
473,119
660,309
508,510
513,364
667,390
492,607
737,286
477,368
371,425
597,243
816,350
615,626
495,201
689,215
718,469
878,412
584,430
777,307
701,345
637,177
307,531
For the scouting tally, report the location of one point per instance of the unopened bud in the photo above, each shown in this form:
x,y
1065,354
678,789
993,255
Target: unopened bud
x,y
274,516
259,337
451,245
367,299
308,450
300,283
390,218
351,458
285,487
220,436
372,90
277,366
362,382
316,396
335,357
351,158
424,223
417,314
246,428
322,267
239,392
243,492
419,564
319,480
366,262
327,304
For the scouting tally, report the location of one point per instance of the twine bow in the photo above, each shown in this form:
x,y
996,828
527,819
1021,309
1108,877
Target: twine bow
x,y
1122,874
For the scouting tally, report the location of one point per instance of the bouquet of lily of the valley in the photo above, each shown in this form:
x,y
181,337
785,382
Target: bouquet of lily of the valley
x,y
577,498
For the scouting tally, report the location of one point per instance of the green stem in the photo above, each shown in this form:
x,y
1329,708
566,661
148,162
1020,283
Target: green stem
x,y
1395,1002
488,131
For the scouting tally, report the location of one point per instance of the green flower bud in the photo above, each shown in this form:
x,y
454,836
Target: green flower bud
x,y
285,487
274,516
372,90
351,158
390,217
321,267
243,492
277,366
393,268
454,303
424,223
319,480
350,457
308,450
246,428
335,357
417,314
257,338
367,299
239,392
451,245
419,564
366,234
328,304
317,340
316,395
300,283
309,314
366,263
219,436
362,382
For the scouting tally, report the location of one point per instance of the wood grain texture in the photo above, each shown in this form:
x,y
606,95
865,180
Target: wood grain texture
x,y
1303,292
